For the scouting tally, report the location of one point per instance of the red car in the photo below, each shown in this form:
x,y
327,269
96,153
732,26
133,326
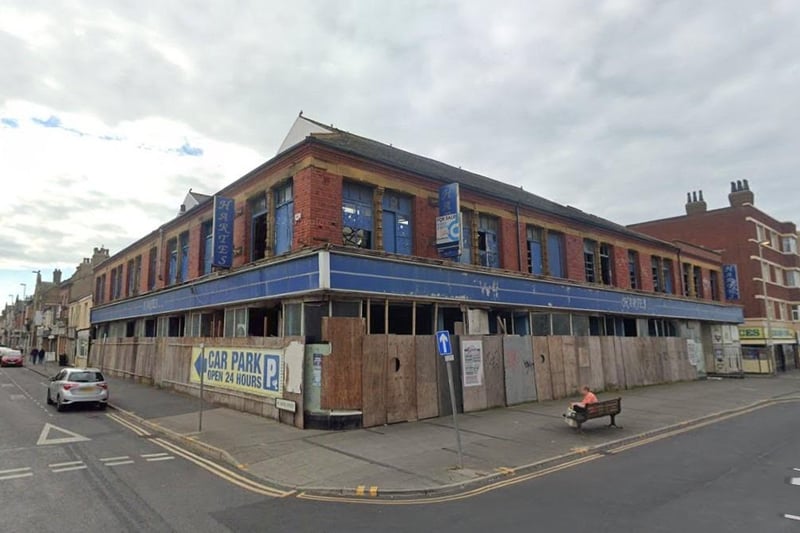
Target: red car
x,y
11,358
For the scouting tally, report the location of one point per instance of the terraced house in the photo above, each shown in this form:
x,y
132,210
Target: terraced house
x,y
310,290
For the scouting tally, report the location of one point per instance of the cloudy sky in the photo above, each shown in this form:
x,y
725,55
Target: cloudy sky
x,y
110,111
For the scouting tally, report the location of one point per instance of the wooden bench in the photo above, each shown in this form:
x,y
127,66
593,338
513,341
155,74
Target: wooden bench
x,y
610,408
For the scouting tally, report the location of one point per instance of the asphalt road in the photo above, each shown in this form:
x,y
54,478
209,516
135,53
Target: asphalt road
x,y
51,479
731,476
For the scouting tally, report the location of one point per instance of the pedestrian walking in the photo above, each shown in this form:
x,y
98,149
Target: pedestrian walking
x,y
34,355
41,356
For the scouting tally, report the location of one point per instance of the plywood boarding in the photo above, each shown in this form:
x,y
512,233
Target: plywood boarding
x,y
686,370
427,380
494,371
373,380
647,359
474,396
597,379
634,373
569,349
608,357
556,350
518,366
341,370
542,370
401,379
658,347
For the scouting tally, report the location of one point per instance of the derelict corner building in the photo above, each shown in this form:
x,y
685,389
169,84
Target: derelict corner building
x,y
310,289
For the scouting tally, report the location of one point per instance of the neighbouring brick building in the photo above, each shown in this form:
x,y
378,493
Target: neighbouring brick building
x,y
762,270
348,255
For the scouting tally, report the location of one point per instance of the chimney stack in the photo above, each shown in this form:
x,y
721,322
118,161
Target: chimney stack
x,y
57,276
695,203
741,194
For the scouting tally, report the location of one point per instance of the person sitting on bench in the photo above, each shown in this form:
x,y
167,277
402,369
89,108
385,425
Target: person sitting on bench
x,y
588,397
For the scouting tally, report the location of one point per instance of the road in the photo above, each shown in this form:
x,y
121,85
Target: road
x,y
731,476
51,479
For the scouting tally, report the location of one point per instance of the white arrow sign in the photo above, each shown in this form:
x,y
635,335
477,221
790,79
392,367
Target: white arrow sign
x,y
44,437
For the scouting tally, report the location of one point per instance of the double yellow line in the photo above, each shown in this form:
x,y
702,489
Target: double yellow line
x,y
217,470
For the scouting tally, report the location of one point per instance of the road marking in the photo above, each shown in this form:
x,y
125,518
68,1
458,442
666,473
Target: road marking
x,y
16,476
15,397
795,481
117,461
69,463
166,458
123,422
160,454
69,468
220,471
44,437
797,469
791,517
6,384
360,490
15,470
461,496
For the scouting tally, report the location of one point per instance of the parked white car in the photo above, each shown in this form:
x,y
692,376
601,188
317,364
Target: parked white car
x,y
78,385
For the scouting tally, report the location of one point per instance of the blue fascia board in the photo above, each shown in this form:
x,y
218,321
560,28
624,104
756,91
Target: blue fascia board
x,y
369,275
293,276
391,277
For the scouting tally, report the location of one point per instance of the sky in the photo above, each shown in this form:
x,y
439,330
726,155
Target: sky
x,y
111,111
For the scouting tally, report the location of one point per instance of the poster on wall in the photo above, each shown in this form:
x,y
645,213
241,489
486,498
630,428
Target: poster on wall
x,y
253,370
472,362
691,349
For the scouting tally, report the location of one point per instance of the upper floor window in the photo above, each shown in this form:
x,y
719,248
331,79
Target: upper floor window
x,y
488,254
535,250
589,260
258,226
697,279
555,254
661,269
284,218
172,261
606,264
357,222
687,279
466,239
796,313
206,247
789,245
183,271
792,278
396,223
100,289
633,269
152,268
713,282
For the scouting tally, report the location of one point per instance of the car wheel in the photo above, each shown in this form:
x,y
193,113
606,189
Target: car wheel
x,y
59,406
49,400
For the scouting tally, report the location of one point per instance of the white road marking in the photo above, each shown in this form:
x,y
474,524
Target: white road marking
x,y
121,457
15,470
797,469
69,469
117,463
16,396
791,517
6,384
15,476
68,463
44,437
167,458
795,481
162,454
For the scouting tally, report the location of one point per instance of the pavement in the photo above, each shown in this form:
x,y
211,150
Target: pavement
x,y
421,458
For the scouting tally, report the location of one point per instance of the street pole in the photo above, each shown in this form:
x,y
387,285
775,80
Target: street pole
x,y
202,374
449,363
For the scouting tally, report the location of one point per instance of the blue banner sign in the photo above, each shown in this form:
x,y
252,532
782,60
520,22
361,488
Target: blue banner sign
x,y
223,232
730,275
448,223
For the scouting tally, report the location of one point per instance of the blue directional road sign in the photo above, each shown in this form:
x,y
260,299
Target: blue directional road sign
x,y
443,343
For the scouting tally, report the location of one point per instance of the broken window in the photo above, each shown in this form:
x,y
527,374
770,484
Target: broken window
x,y
357,223
589,260
487,241
258,226
284,218
535,251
